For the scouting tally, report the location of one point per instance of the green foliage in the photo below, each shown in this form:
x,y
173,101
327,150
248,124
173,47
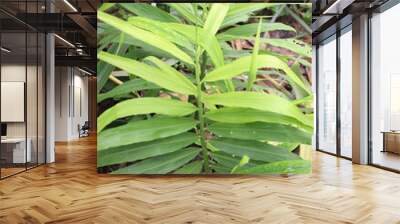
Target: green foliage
x,y
191,168
189,102
241,65
247,115
249,30
256,150
144,36
258,101
144,130
145,105
143,150
130,86
261,131
280,167
161,164
150,12
253,62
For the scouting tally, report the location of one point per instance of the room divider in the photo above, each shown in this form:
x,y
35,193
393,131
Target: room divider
x,y
22,77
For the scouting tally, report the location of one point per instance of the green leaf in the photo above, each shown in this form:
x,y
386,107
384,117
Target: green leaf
x,y
254,149
161,164
253,68
243,162
145,36
127,87
144,105
106,6
280,167
307,99
298,92
258,101
186,10
205,40
191,168
149,73
247,115
104,69
143,150
142,49
241,65
251,29
289,146
220,169
234,54
261,131
290,44
293,45
226,162
172,73
148,11
209,42
241,12
143,130
215,18
105,36
304,62
160,29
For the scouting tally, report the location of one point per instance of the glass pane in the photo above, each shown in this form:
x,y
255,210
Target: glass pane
x,y
327,96
314,88
41,99
385,84
346,94
13,86
22,88
32,86
32,98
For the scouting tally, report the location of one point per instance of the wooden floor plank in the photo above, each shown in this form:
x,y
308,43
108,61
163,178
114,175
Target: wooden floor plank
x,y
70,191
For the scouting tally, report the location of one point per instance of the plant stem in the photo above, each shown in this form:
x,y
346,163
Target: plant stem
x,y
199,72
200,110
202,131
200,107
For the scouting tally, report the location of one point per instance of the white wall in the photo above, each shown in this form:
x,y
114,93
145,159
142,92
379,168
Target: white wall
x,y
80,103
62,81
71,94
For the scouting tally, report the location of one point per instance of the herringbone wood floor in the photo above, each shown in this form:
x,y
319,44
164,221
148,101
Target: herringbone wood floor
x,y
70,191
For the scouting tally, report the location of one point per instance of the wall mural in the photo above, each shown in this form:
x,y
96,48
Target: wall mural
x,y
204,88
